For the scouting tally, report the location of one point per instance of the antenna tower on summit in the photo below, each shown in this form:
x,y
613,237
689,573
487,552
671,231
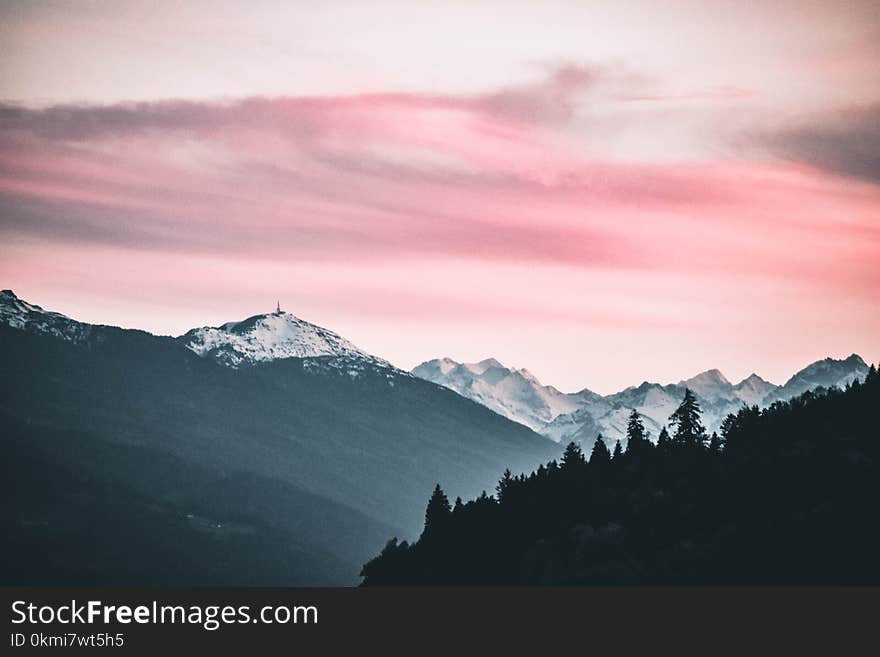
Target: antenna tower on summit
x,y
278,307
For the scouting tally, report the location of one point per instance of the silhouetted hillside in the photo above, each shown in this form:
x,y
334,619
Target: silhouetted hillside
x,y
110,443
787,495
141,517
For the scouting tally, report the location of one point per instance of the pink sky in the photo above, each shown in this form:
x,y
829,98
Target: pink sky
x,y
602,194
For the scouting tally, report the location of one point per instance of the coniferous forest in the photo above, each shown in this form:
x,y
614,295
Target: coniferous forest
x,y
784,495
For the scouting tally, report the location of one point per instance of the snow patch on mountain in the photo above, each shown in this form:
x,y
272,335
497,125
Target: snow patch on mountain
x,y
19,314
271,337
562,417
753,389
710,384
480,368
514,393
826,373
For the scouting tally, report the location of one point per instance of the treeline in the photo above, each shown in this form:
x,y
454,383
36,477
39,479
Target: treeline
x,y
784,495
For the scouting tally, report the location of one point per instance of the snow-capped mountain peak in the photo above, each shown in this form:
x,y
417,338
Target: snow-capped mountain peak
x,y
710,384
825,373
271,336
753,389
482,366
518,395
713,376
19,314
514,393
445,365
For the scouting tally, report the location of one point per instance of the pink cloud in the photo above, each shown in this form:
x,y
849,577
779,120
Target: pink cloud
x,y
723,94
490,208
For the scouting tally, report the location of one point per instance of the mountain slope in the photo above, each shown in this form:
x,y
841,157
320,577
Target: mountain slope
x,y
753,390
515,394
87,511
826,373
364,450
19,314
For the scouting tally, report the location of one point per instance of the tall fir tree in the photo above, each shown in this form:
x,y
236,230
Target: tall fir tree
x,y
689,429
504,484
438,511
618,451
636,435
663,440
458,506
600,454
572,457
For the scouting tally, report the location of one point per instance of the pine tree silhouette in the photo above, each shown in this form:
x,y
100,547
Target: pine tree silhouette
x,y
618,451
437,512
572,457
689,430
663,440
636,436
600,455
784,496
504,484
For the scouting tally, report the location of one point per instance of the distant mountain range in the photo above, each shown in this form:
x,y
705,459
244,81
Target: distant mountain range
x,y
581,416
515,394
266,451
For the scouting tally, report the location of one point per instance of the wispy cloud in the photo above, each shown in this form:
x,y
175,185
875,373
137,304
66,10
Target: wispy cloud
x,y
844,142
523,203
396,175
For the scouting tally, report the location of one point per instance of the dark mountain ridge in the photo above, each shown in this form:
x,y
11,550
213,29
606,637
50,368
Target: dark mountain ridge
x,y
322,461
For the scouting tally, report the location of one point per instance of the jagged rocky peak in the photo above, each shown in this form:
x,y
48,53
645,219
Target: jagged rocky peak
x,y
514,393
753,389
11,307
825,373
439,368
19,314
753,380
710,384
712,377
270,336
484,365
441,365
